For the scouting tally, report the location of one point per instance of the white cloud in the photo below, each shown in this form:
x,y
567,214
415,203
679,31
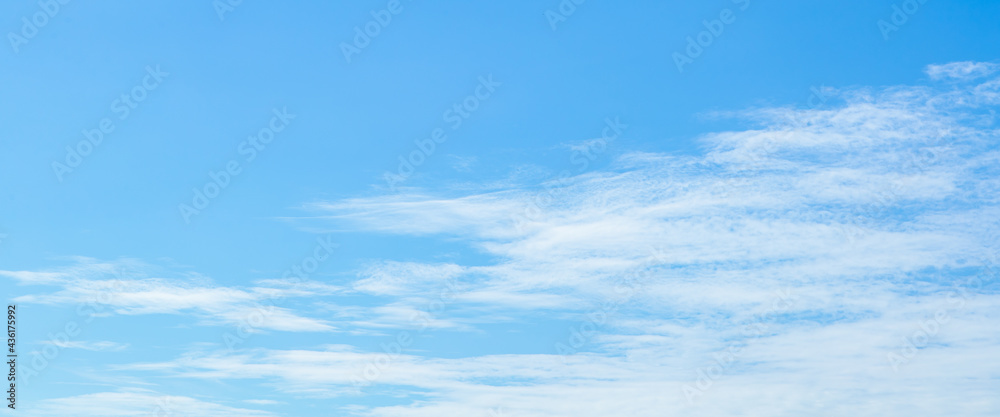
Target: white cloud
x,y
123,287
86,345
962,70
133,403
397,278
804,368
263,402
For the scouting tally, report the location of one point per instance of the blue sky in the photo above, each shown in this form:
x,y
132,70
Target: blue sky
x,y
540,208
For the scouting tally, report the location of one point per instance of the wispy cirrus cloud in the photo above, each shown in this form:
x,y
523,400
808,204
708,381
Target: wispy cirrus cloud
x,y
124,287
135,403
87,345
802,366
965,70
